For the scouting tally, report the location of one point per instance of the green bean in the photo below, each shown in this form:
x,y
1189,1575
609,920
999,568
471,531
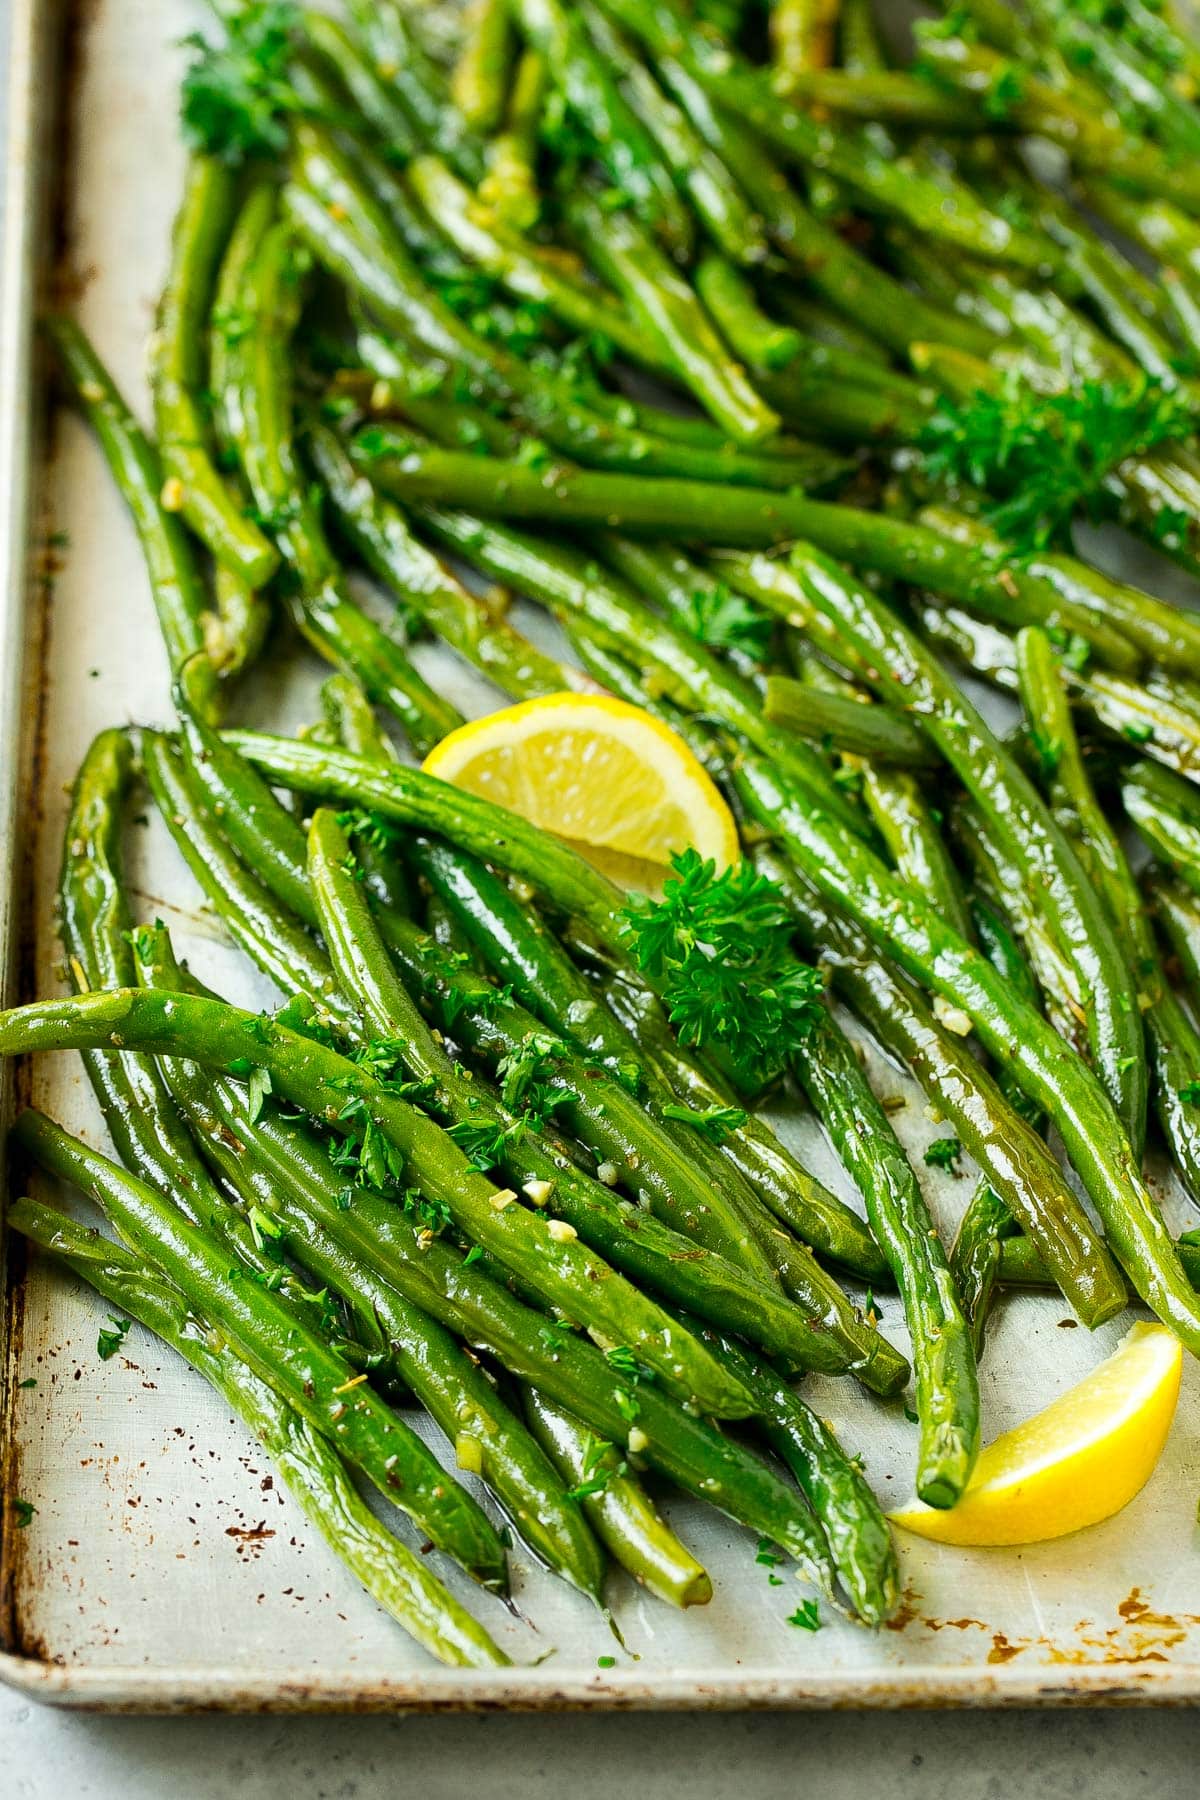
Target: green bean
x,y
94,924
192,483
621,142
1020,1265
861,630
509,188
480,76
909,829
715,196
667,308
1174,906
1166,810
396,1578
334,624
683,510
175,585
943,1358
318,1383
282,950
758,340
948,555
988,1221
617,1506
878,732
833,1484
379,531
436,1278
520,267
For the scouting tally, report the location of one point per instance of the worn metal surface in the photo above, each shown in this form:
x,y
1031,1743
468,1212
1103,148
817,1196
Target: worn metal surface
x,y
163,1570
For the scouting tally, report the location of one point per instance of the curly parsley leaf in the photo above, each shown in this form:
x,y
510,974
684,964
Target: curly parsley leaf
x,y
1046,457
722,946
236,95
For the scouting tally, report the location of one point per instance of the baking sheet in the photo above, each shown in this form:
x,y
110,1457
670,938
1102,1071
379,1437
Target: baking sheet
x,y
163,1568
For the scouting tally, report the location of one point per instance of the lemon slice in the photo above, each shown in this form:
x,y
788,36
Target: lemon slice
x,y
606,775
1079,1461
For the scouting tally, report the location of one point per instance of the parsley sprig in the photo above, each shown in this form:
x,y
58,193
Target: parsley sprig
x,y
236,95
1046,457
721,943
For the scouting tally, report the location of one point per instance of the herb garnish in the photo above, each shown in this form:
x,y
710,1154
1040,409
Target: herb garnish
x,y
722,946
109,1342
712,1122
724,621
1047,457
943,1153
807,1616
236,95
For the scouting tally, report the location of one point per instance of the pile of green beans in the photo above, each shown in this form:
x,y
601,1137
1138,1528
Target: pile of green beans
x,y
474,1163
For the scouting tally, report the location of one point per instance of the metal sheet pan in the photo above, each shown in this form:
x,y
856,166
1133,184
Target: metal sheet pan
x,y
162,1569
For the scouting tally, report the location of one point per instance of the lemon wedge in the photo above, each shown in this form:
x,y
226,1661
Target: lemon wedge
x,y
1079,1461
616,782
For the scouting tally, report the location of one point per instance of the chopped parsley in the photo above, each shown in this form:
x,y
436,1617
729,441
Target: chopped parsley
x,y
109,1342
597,1470
527,1083
943,1153
807,1616
258,1086
713,1122
723,620
484,1141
